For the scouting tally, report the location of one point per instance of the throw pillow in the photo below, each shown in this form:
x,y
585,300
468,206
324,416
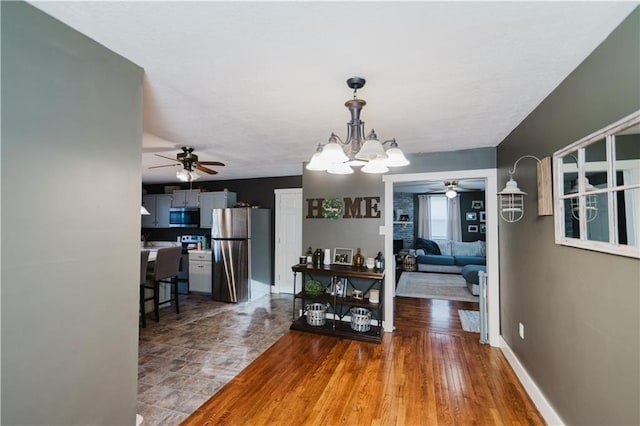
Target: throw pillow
x,y
430,247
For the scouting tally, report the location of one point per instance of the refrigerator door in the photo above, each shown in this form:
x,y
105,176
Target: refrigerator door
x,y
229,223
260,253
230,280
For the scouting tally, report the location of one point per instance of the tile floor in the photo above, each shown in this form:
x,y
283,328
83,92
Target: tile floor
x,y
184,359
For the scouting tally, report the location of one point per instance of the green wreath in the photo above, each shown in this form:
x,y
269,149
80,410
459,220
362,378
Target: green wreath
x,y
332,208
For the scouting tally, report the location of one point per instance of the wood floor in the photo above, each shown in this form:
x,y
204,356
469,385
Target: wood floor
x,y
428,372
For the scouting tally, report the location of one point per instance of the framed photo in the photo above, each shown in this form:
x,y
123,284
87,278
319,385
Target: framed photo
x,y
404,218
483,216
472,228
477,205
483,228
342,256
340,287
471,216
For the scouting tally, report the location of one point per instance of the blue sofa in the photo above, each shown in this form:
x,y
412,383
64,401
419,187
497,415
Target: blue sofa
x,y
448,256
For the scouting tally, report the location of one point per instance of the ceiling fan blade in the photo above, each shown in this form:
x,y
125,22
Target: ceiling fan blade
x,y
166,165
205,169
211,163
168,158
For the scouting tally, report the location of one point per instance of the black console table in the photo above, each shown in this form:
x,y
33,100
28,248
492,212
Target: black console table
x,y
339,306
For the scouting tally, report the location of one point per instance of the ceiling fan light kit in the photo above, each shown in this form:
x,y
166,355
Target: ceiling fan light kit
x,y
338,157
451,189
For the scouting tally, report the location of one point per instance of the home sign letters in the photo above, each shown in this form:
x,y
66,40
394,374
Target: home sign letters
x,y
352,208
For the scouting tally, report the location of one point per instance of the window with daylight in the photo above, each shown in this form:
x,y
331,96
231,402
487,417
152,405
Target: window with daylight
x,y
438,216
597,190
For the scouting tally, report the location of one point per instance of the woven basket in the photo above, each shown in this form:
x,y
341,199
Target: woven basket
x,y
316,314
409,263
360,319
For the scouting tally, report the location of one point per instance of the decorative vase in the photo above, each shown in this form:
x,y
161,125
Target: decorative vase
x,y
358,259
317,258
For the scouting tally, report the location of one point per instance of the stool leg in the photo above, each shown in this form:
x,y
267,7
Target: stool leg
x,y
156,299
143,314
175,289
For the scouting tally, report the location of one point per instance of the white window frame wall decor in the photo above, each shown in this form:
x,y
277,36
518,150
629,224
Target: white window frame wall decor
x,y
605,194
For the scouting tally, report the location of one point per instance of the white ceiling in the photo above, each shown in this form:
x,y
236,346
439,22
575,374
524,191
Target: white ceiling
x,y
257,85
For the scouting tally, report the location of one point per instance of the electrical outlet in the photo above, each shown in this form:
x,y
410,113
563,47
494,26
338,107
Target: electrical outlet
x,y
521,330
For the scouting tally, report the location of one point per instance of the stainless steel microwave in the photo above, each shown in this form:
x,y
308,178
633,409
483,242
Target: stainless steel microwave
x,y
184,217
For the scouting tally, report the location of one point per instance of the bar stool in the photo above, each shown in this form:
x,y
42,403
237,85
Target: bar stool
x,y
165,270
144,261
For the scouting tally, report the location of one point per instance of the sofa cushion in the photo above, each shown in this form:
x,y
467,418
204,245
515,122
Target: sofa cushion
x,y
466,249
434,259
445,246
470,273
429,247
470,260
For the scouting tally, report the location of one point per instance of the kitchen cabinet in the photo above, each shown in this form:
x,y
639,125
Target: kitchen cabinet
x,y
185,198
158,206
200,271
339,304
214,200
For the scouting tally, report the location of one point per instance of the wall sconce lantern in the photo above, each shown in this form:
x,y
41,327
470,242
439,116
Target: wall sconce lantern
x,y
511,198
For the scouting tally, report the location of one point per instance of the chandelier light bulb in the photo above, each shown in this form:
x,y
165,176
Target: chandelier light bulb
x,y
396,158
375,166
339,169
317,162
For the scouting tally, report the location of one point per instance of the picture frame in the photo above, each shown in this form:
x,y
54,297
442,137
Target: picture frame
x,y
483,216
472,228
342,256
483,228
477,204
471,216
404,218
340,287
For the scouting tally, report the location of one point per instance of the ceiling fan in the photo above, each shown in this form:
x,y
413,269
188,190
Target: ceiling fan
x,y
189,162
452,187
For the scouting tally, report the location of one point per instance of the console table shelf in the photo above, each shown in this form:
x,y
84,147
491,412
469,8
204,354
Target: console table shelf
x,y
336,324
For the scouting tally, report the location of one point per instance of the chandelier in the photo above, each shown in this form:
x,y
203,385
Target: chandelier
x,y
338,156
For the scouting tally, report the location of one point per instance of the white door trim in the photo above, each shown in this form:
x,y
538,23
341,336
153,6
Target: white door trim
x,y
493,261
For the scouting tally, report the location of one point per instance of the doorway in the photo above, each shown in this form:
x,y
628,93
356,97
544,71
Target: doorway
x,y
288,238
491,209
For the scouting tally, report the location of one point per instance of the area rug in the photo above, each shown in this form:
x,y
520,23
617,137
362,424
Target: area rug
x,y
470,320
427,285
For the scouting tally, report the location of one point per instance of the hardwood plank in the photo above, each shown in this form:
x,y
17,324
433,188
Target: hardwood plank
x,y
429,371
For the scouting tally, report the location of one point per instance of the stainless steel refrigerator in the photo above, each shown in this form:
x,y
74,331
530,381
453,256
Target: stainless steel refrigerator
x,y
241,254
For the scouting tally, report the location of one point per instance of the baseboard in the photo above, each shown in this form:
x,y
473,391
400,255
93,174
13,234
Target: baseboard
x,y
536,395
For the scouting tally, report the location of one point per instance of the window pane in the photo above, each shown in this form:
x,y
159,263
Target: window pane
x,y
597,216
570,172
628,217
596,164
438,216
627,149
571,224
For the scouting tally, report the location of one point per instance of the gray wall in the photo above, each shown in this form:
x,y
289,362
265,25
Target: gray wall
x,y
364,233
71,154
580,308
344,233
